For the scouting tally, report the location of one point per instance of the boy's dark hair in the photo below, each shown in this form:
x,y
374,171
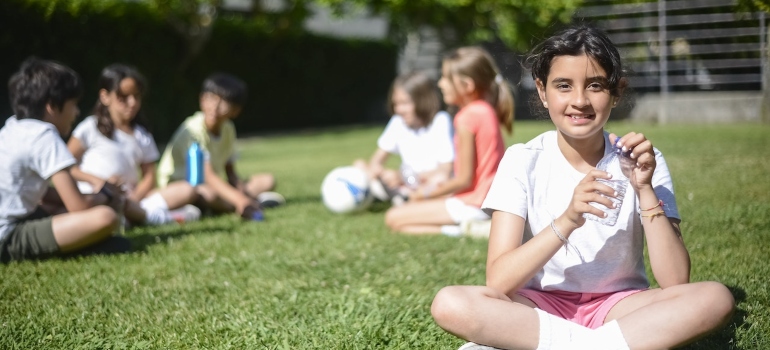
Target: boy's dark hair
x,y
110,80
423,92
40,82
226,86
577,40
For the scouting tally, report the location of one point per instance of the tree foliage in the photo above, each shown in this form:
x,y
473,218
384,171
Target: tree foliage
x,y
516,22
754,5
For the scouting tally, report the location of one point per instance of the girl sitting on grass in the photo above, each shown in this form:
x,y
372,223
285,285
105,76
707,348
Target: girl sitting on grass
x,y
471,81
113,146
419,132
555,280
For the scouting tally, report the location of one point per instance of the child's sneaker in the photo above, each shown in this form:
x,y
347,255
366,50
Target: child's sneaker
x,y
270,199
157,217
186,213
476,228
378,190
474,346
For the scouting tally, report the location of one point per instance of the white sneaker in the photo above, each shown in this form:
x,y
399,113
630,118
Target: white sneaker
x,y
157,217
186,213
476,228
377,189
474,346
270,199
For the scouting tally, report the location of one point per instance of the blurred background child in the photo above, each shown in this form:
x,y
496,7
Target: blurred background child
x,y
419,132
114,146
44,95
221,100
471,81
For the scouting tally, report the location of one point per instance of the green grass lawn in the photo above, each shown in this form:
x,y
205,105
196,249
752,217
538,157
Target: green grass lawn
x,y
306,278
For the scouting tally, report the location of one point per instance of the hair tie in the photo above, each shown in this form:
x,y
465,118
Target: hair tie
x,y
498,79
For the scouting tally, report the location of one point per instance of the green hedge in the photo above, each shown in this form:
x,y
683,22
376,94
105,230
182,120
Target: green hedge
x,y
295,80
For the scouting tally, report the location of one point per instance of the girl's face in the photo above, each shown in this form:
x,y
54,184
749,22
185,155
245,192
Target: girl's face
x,y
577,96
404,106
124,102
448,85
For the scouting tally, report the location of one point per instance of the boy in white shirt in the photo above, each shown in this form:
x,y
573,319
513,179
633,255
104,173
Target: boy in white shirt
x,y
44,96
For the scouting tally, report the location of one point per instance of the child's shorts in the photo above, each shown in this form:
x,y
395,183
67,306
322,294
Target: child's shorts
x,y
31,238
586,309
459,211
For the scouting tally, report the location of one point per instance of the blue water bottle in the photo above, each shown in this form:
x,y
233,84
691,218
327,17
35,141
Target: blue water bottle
x,y
195,164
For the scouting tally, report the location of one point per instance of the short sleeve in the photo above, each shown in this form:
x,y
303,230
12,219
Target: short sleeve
x,y
388,140
469,120
83,132
147,145
49,154
510,187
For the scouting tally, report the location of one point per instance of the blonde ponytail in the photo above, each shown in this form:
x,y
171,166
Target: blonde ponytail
x,y
477,64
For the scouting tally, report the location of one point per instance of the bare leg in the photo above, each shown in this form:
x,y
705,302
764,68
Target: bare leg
x,y
74,231
207,198
419,217
177,194
485,316
259,183
134,212
676,315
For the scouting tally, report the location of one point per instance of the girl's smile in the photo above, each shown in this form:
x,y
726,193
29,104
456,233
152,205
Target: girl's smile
x,y
576,95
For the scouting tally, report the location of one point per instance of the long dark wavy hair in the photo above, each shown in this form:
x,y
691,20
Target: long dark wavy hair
x,y
110,80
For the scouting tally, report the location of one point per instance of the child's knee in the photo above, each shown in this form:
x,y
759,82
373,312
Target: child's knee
x,y
720,300
264,182
449,306
393,218
104,218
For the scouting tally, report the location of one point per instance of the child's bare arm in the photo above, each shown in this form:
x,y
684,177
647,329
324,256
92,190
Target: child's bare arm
x,y
377,162
232,176
225,190
71,197
464,178
146,184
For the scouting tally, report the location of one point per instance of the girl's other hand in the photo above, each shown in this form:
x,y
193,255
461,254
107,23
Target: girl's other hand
x,y
642,153
589,190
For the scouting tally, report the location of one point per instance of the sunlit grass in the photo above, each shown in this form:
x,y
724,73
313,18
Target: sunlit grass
x,y
306,278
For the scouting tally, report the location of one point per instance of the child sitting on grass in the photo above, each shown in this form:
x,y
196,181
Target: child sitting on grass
x,y
221,99
555,280
420,133
114,146
44,96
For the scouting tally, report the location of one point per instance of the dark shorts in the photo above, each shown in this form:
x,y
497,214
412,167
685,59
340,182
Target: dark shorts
x,y
31,238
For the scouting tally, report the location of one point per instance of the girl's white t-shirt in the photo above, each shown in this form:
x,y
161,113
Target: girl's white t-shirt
x,y
420,149
121,155
535,182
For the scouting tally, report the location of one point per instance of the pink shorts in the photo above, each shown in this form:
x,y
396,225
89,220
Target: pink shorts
x,y
586,309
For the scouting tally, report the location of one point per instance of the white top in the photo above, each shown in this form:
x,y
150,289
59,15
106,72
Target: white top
x,y
421,149
31,151
535,182
121,156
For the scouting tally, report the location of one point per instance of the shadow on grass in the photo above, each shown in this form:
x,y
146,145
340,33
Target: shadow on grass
x,y
724,338
140,241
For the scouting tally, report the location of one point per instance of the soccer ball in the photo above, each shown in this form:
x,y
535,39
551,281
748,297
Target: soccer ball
x,y
346,189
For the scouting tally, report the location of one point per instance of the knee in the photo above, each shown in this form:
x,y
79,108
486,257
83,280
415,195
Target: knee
x,y
266,181
104,217
450,310
392,219
719,301
189,193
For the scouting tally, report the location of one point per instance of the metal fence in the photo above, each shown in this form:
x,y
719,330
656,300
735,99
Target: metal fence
x,y
685,45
